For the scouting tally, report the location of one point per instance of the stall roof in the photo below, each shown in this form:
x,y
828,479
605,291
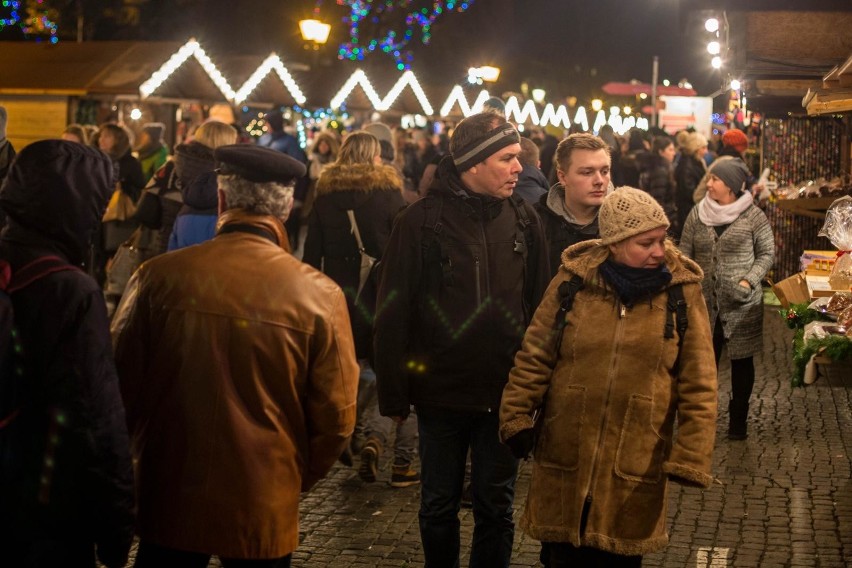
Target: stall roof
x,y
88,68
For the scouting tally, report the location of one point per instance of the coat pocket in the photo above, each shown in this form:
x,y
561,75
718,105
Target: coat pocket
x,y
564,414
735,294
641,450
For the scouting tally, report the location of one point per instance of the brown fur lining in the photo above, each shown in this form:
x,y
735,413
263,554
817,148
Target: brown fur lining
x,y
358,177
509,429
623,547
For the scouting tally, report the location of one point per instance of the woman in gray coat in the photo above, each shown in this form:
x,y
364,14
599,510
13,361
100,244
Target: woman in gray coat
x,y
731,240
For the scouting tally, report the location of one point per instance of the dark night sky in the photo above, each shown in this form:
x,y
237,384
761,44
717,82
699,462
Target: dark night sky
x,y
569,47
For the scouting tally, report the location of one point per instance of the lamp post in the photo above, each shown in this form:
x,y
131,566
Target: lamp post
x,y
314,32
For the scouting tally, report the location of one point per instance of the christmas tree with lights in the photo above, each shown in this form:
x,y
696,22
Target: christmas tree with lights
x,y
389,26
32,20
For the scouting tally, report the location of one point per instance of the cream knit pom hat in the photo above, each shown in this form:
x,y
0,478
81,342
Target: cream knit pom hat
x,y
628,211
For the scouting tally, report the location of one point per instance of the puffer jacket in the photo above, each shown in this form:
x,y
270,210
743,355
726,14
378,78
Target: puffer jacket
x,y
451,317
374,194
239,376
745,251
612,390
55,196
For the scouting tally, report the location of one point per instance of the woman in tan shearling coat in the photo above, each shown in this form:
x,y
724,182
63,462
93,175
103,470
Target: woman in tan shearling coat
x,y
606,450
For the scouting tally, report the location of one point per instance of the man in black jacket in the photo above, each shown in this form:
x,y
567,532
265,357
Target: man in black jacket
x,y
66,483
569,210
462,273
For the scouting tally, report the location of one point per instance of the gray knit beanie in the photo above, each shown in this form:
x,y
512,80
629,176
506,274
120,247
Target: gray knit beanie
x,y
628,211
733,173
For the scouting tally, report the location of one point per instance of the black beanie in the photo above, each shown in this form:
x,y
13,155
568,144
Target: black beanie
x,y
733,172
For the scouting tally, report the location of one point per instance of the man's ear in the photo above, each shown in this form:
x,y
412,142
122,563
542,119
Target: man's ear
x,y
223,202
473,170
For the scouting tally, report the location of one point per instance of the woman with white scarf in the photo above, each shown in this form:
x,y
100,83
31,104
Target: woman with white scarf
x,y
730,238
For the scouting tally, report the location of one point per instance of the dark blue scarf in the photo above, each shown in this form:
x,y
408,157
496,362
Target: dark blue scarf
x,y
634,284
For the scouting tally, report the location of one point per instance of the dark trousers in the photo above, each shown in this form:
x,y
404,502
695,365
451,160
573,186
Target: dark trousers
x,y
564,555
742,370
46,553
153,556
445,437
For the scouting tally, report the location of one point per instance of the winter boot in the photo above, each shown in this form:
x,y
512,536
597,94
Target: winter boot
x,y
737,420
370,453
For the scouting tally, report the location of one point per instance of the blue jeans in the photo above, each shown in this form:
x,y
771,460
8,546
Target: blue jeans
x,y
371,424
445,437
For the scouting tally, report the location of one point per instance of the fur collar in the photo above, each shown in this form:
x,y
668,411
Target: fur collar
x,y
358,177
584,258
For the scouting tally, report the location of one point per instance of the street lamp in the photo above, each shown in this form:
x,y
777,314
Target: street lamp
x,y
489,74
597,105
314,31
538,95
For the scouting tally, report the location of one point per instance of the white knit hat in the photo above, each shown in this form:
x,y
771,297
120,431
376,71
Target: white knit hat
x,y
628,211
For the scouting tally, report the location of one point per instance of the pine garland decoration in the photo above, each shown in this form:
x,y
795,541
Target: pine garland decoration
x,y
835,347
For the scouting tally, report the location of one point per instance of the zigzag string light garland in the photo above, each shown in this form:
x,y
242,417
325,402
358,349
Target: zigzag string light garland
x,y
392,42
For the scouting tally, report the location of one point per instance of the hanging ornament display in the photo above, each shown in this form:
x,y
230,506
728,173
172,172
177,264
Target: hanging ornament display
x,y
389,26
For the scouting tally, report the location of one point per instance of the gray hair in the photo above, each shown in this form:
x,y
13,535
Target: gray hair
x,y
258,198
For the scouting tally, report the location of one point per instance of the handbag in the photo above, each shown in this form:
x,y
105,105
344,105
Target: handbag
x,y
367,261
120,207
364,307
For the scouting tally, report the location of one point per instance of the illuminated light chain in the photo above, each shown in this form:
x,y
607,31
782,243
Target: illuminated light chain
x,y
190,48
457,97
300,130
555,117
600,120
581,119
357,78
360,78
271,63
392,43
407,79
521,115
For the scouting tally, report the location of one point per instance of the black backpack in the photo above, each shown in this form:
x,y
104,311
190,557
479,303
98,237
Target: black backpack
x,y
13,389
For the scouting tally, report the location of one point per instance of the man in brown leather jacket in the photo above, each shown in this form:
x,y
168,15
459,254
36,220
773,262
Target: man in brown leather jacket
x,y
238,372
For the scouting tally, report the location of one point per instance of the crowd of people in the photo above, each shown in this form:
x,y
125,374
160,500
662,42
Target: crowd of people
x,y
208,329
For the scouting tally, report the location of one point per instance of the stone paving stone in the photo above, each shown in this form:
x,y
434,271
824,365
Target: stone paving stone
x,y
782,498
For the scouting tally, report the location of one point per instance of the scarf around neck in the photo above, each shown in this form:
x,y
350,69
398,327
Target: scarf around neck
x,y
713,214
634,284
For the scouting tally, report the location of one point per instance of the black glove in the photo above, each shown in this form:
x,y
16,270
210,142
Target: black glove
x,y
521,444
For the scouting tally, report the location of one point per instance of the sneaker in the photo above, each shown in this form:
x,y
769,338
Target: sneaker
x,y
369,467
404,476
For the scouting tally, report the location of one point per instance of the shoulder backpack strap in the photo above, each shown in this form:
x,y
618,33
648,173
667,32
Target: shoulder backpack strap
x,y
432,230
522,237
37,269
676,306
567,292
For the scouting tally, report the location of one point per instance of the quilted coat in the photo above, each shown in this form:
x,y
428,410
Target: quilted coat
x,y
745,251
613,390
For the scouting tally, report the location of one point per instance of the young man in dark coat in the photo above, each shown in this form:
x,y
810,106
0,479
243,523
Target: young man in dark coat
x,y
69,488
463,270
569,210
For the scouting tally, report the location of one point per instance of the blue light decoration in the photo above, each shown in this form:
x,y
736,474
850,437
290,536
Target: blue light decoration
x,y
393,43
35,25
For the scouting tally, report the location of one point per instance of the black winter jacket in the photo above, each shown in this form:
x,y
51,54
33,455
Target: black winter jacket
x,y
55,196
454,301
374,194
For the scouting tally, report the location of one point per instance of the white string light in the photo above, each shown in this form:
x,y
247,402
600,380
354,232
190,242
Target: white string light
x,y
600,120
190,48
357,78
271,63
555,117
407,79
521,115
581,119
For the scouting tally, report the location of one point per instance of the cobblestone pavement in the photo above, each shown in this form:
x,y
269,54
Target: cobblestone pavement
x,y
782,498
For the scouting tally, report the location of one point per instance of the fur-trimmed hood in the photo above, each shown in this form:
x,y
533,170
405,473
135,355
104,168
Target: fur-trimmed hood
x,y
584,258
358,177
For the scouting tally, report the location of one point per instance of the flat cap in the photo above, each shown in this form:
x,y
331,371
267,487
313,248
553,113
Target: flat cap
x,y
257,164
